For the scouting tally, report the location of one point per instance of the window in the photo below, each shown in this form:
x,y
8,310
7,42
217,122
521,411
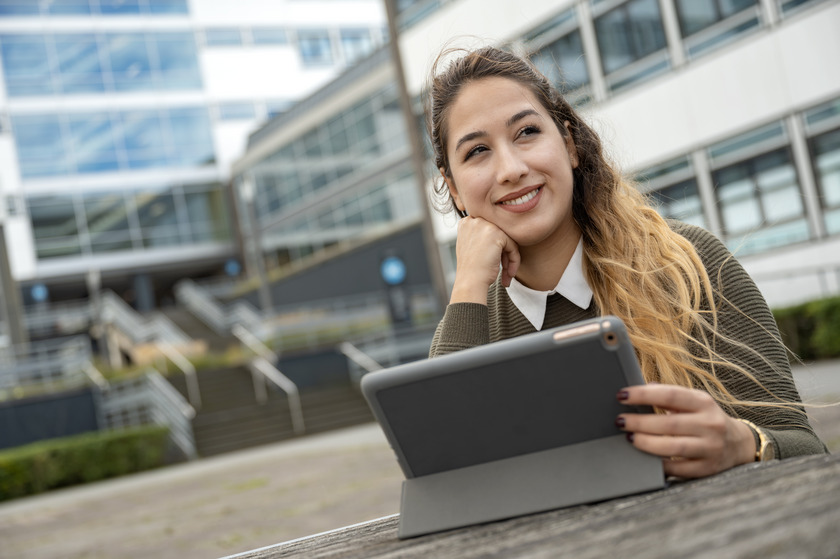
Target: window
x,y
563,63
710,23
628,36
54,225
761,203
355,44
90,63
269,36
826,152
222,37
315,47
681,201
77,143
237,111
17,8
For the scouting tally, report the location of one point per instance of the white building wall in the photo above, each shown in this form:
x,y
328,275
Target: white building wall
x,y
760,78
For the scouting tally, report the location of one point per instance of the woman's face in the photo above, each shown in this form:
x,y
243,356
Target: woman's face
x,y
509,163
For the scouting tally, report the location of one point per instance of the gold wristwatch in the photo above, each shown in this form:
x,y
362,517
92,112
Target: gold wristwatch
x,y
765,449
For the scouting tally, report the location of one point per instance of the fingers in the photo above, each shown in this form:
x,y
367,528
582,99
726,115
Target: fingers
x,y
694,434
481,248
666,397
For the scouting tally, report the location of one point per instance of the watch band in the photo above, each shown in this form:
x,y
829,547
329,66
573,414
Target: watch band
x,y
764,447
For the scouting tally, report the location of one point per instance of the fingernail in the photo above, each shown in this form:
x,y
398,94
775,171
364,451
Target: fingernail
x,y
630,437
619,422
622,394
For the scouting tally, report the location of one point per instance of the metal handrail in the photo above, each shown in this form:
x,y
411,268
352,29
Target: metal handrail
x,y
253,343
186,367
95,376
359,357
261,367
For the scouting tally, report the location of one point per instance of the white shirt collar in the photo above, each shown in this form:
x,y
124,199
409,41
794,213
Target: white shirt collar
x,y
572,286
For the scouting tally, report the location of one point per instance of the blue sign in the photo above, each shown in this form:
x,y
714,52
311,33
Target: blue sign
x,y
39,293
232,267
393,270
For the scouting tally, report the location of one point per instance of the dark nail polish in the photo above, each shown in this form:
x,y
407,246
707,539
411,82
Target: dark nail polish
x,y
630,437
622,395
619,422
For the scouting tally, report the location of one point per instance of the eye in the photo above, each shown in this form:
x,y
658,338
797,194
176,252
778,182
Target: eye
x,y
475,151
529,130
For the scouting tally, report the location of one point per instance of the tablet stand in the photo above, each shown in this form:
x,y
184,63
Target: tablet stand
x,y
570,475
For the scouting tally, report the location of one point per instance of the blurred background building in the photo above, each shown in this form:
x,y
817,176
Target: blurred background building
x,y
255,172
120,119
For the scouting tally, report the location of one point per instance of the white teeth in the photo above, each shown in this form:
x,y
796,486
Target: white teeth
x,y
522,199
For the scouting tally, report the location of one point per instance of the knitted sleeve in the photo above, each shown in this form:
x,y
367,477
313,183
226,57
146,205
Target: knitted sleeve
x,y
751,339
464,325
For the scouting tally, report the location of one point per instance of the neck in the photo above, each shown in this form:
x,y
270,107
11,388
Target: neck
x,y
544,264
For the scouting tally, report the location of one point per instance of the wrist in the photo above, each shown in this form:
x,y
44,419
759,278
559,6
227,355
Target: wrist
x,y
469,292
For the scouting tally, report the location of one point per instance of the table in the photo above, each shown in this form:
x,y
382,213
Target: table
x,y
783,508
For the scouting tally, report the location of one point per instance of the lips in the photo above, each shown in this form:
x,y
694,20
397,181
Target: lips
x,y
521,201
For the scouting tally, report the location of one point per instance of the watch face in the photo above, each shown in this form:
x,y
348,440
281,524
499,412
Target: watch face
x,y
768,451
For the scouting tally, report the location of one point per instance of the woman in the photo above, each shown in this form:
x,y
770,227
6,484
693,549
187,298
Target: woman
x,y
574,240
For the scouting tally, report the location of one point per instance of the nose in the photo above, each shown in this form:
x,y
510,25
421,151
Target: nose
x,y
510,166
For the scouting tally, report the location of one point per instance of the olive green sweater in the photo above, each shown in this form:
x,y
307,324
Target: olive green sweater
x,y
743,316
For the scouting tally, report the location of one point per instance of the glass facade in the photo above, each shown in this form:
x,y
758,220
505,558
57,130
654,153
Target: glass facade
x,y
760,202
66,64
631,39
826,153
87,223
79,143
336,181
17,8
315,47
557,51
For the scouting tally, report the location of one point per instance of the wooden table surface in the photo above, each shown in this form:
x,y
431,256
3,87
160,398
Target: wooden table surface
x,y
784,509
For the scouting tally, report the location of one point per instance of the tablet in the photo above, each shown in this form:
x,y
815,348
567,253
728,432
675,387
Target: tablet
x,y
513,427
522,395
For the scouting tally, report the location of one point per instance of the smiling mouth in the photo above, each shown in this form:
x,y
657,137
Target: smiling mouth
x,y
524,199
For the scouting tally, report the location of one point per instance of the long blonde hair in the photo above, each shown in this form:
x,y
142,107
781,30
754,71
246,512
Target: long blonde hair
x,y
640,270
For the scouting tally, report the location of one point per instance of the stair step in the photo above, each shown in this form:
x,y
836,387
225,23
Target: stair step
x,y
231,419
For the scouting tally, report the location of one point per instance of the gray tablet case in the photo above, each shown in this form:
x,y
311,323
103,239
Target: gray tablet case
x,y
514,427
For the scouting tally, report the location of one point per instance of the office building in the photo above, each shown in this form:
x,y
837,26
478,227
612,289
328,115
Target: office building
x,y
727,113
119,120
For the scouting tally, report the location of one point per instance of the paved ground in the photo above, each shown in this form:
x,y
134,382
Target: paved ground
x,y
224,505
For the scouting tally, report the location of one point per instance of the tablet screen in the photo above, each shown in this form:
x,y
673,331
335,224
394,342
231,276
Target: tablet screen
x,y
505,408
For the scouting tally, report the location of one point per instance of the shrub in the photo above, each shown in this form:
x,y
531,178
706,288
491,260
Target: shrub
x,y
811,330
45,465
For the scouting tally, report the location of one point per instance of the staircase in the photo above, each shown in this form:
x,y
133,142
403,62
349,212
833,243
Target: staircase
x,y
231,419
197,330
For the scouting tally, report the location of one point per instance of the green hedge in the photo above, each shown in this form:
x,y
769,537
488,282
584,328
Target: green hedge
x,y
811,330
45,465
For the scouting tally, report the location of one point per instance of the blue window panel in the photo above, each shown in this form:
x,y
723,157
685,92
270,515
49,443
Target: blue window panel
x,y
144,140
66,7
168,6
130,64
222,37
269,36
80,70
109,7
191,137
629,33
315,47
237,111
26,65
14,8
356,44
94,142
177,61
40,145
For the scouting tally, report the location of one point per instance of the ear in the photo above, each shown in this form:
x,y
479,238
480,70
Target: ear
x,y
570,145
450,184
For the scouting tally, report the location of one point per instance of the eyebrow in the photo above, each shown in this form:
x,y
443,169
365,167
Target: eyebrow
x,y
478,133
